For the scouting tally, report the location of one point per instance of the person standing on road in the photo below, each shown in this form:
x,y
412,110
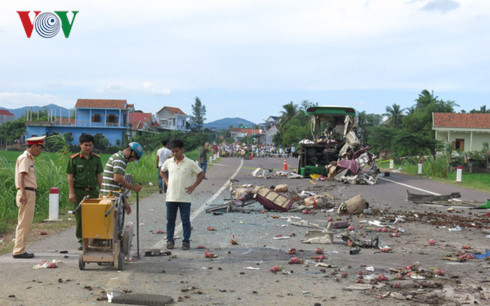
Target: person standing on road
x,y
26,184
115,169
84,176
182,171
162,155
203,158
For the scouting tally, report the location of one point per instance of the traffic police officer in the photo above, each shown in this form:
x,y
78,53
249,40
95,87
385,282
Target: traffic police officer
x,y
84,176
26,184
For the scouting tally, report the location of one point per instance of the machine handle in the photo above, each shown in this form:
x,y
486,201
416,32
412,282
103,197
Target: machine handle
x,y
109,211
79,205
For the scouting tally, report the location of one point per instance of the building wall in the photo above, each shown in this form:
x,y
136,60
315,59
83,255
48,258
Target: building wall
x,y
476,144
84,117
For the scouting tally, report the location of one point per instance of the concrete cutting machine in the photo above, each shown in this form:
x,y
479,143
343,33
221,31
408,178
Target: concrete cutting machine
x,y
106,240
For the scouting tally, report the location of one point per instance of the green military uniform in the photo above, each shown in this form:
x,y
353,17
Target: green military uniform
x,y
85,181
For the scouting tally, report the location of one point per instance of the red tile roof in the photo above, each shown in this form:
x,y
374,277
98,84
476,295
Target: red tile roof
x,y
173,110
470,121
101,103
139,117
5,112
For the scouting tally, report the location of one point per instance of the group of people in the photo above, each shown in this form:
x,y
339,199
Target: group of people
x,y
266,150
178,178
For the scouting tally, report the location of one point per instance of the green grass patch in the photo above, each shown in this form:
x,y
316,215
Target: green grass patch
x,y
479,181
438,169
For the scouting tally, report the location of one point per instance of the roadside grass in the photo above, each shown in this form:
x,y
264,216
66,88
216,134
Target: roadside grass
x,y
438,169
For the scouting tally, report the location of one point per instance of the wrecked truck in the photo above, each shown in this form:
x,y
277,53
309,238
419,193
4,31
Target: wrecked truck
x,y
334,149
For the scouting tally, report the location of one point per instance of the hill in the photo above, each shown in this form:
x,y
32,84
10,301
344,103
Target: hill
x,y
19,112
225,123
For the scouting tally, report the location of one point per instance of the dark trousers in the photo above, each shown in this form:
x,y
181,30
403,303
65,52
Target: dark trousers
x,y
185,215
79,195
161,183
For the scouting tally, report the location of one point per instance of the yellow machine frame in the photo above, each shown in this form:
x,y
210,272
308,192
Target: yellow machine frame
x,y
101,232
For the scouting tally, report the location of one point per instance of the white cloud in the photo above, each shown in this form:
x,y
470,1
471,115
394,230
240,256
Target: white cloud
x,y
155,90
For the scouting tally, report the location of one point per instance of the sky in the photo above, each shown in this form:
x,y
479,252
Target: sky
x,y
248,58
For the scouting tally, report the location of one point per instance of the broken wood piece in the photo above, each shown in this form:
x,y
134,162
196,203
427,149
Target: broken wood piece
x,y
428,198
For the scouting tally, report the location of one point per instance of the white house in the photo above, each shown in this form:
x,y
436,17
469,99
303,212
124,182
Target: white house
x,y
465,132
172,118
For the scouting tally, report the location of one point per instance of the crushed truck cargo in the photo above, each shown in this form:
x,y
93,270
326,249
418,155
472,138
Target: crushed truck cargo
x,y
335,149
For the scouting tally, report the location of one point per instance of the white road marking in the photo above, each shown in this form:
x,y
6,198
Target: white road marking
x,y
416,188
178,226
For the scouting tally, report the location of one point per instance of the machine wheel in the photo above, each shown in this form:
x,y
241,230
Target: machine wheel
x,y
81,263
120,261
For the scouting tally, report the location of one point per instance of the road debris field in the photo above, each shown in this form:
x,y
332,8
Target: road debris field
x,y
296,241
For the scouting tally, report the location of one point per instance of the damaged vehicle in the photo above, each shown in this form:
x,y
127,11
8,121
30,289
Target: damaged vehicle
x,y
335,149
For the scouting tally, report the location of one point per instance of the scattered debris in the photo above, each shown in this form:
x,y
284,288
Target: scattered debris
x,y
157,252
45,264
355,205
209,254
259,172
271,199
324,236
428,198
318,201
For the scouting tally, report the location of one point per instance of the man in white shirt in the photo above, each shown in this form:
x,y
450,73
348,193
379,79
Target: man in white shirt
x,y
181,184
162,155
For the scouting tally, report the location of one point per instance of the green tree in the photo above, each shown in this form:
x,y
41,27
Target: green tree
x,y
420,120
11,131
289,112
395,115
482,110
101,143
412,144
367,123
198,114
380,138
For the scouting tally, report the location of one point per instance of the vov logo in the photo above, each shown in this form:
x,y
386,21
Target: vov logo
x,y
47,24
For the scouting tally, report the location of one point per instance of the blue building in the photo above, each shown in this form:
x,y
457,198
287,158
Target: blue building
x,y
93,116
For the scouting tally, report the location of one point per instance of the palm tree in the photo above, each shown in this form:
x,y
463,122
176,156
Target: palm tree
x,y
289,112
395,115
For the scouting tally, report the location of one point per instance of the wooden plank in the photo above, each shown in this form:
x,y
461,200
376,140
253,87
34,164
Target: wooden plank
x,y
428,198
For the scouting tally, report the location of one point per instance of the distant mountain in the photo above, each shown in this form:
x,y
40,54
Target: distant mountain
x,y
19,112
225,123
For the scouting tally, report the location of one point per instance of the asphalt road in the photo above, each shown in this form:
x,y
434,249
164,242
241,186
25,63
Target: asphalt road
x,y
240,273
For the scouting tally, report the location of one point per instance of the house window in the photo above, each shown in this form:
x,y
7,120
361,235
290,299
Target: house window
x,y
96,118
458,144
112,119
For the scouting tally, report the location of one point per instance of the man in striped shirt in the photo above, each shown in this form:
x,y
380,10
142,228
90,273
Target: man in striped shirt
x,y
115,168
